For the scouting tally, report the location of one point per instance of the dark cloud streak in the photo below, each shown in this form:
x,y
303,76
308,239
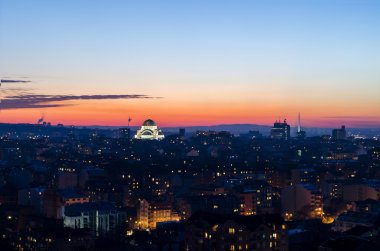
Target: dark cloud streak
x,y
5,81
46,101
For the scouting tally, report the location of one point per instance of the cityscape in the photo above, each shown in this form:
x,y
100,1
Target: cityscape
x,y
189,125
72,188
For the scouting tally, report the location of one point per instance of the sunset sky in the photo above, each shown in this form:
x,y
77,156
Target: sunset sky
x,y
198,62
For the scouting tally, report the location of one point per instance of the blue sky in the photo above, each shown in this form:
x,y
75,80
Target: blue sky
x,y
267,51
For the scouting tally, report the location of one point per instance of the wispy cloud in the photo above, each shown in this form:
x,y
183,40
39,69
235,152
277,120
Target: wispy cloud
x,y
45,101
353,117
15,91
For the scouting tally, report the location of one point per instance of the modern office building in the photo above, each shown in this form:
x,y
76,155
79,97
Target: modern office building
x,y
280,130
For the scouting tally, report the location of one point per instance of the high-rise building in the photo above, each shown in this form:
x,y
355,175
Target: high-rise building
x,y
280,130
339,134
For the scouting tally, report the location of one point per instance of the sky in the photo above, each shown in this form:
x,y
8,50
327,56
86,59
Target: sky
x,y
183,63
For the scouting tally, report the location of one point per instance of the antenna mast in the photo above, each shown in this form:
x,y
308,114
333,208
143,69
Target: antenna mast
x,y
299,122
129,120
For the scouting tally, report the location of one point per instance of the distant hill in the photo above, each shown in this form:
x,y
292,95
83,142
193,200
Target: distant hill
x,y
265,130
233,128
25,130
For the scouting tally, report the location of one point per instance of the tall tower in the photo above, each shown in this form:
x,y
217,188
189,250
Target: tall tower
x,y
299,123
300,134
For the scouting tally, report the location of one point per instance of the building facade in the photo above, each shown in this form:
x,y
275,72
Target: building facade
x,y
151,213
339,134
101,218
205,231
280,130
302,198
149,131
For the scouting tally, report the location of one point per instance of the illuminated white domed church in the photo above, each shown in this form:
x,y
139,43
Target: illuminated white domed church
x,y
149,130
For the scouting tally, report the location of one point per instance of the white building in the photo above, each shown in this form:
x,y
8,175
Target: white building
x,y
149,130
101,217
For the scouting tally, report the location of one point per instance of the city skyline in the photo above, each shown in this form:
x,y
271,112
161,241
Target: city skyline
x,y
187,64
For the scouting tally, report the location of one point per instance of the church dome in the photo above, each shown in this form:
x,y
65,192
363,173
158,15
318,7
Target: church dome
x,y
149,122
149,131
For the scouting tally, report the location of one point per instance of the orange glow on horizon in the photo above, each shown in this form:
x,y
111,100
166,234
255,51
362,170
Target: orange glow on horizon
x,y
173,113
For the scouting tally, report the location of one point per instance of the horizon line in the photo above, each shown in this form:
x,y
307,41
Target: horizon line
x,y
187,126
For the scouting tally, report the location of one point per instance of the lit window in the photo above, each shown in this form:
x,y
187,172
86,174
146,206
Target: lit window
x,y
231,230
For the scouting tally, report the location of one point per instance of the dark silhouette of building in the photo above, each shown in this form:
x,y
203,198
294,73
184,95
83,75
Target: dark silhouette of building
x,y
182,132
339,134
280,130
206,231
